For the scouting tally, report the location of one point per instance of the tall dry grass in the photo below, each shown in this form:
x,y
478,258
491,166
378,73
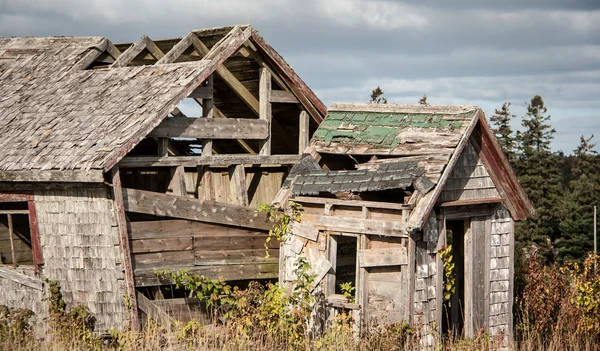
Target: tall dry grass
x,y
557,308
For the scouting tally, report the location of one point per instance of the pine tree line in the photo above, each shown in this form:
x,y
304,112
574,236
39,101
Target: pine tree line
x,y
563,189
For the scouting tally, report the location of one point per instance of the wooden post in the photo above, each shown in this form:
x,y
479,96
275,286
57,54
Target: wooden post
x,y
304,132
12,240
115,176
265,107
204,186
163,147
207,112
237,178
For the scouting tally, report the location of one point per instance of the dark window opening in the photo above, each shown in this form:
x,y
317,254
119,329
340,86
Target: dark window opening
x,y
343,256
15,234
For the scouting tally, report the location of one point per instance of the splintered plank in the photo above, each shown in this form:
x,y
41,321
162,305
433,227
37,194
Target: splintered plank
x,y
383,257
21,278
360,226
158,204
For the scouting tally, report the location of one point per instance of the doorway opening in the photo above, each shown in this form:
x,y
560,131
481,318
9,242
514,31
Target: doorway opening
x,y
453,310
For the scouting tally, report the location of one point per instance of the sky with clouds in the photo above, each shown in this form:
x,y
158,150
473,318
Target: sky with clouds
x,y
457,52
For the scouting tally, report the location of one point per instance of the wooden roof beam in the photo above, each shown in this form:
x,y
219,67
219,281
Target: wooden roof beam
x,y
212,128
135,49
212,161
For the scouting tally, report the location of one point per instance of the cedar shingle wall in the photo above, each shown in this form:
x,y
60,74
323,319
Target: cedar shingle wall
x,y
80,245
469,179
501,263
15,295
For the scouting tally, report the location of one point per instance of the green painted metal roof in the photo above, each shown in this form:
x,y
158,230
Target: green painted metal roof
x,y
382,129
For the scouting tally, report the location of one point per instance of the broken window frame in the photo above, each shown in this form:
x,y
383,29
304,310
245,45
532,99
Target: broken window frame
x,y
330,286
33,226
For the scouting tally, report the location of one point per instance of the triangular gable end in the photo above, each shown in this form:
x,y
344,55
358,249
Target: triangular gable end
x,y
480,139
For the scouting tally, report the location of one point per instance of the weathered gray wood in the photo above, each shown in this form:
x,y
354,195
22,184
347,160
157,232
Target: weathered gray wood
x,y
163,147
282,96
322,267
304,132
340,301
237,177
153,49
208,111
305,229
265,108
212,128
148,202
177,50
357,203
153,311
213,161
177,183
166,244
202,92
35,175
146,277
91,56
360,226
117,190
21,278
382,257
12,240
397,108
128,55
480,201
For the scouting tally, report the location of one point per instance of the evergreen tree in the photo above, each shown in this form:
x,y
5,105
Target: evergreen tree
x,y
503,130
539,173
377,96
578,222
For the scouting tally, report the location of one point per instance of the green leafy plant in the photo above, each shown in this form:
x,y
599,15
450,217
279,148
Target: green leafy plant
x,y
449,277
213,292
347,289
282,220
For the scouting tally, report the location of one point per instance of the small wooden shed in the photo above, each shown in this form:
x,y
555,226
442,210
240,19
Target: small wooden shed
x,y
383,189
103,179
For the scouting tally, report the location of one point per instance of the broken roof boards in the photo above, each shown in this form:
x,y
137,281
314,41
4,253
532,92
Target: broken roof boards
x,y
55,114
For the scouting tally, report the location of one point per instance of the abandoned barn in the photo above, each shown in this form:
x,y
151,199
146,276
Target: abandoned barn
x,y
383,190
104,178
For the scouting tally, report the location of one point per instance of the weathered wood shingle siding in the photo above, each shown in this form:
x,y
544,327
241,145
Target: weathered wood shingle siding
x,y
16,295
469,179
501,272
425,287
81,249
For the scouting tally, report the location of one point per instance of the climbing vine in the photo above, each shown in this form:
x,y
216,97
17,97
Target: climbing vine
x,y
282,220
449,277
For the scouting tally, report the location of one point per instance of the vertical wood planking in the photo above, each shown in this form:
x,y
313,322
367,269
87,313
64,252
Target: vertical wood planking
x,y
237,178
117,188
163,147
468,281
478,228
265,112
304,134
178,184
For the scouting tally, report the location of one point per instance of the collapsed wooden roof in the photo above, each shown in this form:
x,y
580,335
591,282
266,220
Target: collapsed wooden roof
x,y
431,137
75,104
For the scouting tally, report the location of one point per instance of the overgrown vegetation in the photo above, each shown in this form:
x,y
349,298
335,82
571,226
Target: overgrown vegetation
x,y
282,220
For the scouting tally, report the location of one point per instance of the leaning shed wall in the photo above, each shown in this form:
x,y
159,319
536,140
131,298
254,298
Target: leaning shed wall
x,y
31,297
425,303
80,245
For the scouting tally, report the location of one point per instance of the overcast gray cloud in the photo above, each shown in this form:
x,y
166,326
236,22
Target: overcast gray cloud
x,y
461,51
